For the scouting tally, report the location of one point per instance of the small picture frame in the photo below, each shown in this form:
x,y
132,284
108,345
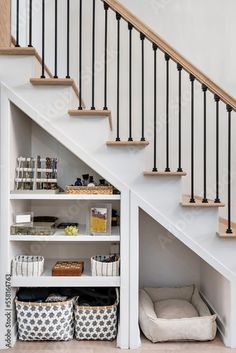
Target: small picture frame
x,y
99,219
24,219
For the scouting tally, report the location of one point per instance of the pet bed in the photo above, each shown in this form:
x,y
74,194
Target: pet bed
x,y
173,314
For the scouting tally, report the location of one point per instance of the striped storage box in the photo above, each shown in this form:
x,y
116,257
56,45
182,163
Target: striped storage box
x,y
100,267
45,321
27,265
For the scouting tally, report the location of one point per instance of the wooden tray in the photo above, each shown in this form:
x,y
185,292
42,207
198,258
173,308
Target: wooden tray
x,y
68,268
94,190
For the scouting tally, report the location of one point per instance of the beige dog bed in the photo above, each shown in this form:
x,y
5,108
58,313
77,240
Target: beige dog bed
x,y
171,314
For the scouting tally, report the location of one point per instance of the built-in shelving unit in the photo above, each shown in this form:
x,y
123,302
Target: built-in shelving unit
x,y
27,139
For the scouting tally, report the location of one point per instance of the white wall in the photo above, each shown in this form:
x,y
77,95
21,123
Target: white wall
x,y
70,166
203,31
164,260
216,290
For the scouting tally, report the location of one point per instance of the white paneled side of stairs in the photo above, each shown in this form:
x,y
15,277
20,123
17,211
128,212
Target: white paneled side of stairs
x,y
160,198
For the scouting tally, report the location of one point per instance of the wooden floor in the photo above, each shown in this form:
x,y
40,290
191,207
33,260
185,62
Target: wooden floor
x,y
107,347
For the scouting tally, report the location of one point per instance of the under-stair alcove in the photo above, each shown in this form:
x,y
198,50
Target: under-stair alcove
x,y
165,262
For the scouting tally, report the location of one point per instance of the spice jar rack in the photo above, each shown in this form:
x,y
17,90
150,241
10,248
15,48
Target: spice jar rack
x,y
36,174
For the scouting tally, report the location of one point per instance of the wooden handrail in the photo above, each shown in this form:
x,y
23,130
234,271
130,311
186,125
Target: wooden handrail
x,y
5,24
175,56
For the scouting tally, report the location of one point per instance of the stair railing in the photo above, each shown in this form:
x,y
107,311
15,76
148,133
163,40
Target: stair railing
x,y
170,55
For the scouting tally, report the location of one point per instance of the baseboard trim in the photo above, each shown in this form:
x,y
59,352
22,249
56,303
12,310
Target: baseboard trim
x,y
14,335
220,324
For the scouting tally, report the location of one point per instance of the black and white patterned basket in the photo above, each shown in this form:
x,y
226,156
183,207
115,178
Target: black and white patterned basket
x,y
96,323
101,268
27,265
45,321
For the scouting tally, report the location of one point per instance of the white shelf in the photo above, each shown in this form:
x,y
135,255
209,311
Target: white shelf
x,y
60,236
60,196
47,280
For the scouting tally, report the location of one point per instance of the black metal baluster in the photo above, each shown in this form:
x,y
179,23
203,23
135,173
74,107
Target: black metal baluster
x,y
118,17
142,37
130,27
30,24
80,53
154,46
55,72
93,57
43,39
204,200
17,23
68,40
229,228
106,7
192,79
167,58
217,199
179,67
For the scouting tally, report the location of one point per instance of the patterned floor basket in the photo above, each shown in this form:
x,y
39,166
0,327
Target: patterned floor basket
x,y
45,321
96,323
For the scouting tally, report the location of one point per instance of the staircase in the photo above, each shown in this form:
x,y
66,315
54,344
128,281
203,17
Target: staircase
x,y
146,137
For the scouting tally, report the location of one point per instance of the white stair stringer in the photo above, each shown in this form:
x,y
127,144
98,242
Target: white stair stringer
x,y
160,198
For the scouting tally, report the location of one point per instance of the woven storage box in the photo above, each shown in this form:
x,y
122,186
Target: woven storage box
x,y
68,268
27,265
96,322
93,190
45,321
100,268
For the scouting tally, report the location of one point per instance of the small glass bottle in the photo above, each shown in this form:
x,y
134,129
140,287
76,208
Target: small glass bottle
x,y
85,179
78,182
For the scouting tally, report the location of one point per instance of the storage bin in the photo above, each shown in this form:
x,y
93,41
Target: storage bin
x,y
101,268
27,265
45,321
96,322
91,190
38,228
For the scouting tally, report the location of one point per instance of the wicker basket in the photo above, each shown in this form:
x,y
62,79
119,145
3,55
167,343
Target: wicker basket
x,y
100,268
27,266
96,322
45,321
68,268
89,190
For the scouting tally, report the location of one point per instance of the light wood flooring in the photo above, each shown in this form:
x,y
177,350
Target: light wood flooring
x,y
109,347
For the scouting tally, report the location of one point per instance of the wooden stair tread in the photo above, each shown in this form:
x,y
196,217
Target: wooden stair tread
x,y
198,202
151,173
89,112
33,51
222,230
52,81
127,143
17,51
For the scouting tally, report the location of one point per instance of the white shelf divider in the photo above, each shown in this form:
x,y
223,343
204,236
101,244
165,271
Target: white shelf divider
x,y
60,196
60,236
47,280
